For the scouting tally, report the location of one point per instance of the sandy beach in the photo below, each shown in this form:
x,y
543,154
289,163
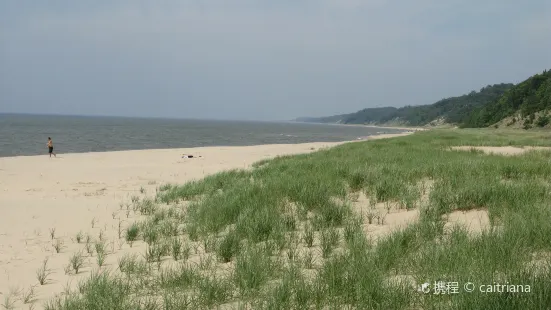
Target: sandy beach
x,y
398,128
45,202
381,127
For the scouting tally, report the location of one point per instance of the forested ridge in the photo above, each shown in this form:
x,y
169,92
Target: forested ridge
x,y
526,103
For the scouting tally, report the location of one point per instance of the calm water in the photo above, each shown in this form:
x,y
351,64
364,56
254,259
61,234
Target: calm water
x,y
27,134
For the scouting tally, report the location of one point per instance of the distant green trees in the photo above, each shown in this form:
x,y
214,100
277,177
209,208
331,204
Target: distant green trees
x,y
543,121
528,97
484,108
453,110
370,115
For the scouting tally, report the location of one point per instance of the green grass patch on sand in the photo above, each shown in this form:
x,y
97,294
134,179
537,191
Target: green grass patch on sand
x,y
285,235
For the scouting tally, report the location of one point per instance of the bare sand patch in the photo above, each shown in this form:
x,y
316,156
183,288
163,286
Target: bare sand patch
x,y
380,219
475,221
502,150
391,222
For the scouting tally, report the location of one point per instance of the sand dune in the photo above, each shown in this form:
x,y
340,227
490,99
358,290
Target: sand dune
x,y
60,197
502,150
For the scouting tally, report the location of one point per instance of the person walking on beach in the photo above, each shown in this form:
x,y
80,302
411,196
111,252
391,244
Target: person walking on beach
x,y
51,147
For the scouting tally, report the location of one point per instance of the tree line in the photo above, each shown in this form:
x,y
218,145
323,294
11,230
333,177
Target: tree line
x,y
481,108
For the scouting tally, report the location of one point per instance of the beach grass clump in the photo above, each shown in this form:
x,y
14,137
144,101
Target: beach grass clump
x,y
260,224
308,236
9,302
179,278
130,264
214,291
156,251
58,245
150,233
292,251
176,248
178,301
101,236
209,185
307,259
101,253
100,291
165,187
134,199
229,246
293,232
169,227
352,229
132,233
76,262
52,233
89,248
146,206
253,268
119,229
43,273
333,214
29,295
329,240
79,237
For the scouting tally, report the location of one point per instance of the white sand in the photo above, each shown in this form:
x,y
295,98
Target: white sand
x,y
475,221
69,192
502,150
399,128
386,127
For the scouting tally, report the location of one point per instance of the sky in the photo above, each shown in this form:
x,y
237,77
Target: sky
x,y
261,60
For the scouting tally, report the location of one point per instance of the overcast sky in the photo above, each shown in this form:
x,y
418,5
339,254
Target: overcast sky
x,y
263,59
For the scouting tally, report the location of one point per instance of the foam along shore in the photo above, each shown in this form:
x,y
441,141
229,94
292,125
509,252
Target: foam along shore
x,y
45,202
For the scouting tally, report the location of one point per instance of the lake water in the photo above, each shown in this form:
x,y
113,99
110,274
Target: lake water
x,y
27,134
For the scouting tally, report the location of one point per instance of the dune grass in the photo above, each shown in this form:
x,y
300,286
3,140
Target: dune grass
x,y
284,235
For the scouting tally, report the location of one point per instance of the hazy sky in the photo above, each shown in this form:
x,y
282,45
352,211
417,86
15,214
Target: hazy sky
x,y
268,60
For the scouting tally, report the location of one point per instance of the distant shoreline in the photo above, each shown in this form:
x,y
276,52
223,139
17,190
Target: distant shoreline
x,y
91,134
391,127
214,147
368,126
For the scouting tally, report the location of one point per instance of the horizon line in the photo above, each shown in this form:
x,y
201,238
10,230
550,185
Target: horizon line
x,y
142,117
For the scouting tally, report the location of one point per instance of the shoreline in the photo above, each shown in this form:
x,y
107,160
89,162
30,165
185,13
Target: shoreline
x,y
388,127
398,128
360,138
371,126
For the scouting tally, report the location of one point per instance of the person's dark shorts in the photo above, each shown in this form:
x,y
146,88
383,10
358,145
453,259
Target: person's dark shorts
x,y
50,150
